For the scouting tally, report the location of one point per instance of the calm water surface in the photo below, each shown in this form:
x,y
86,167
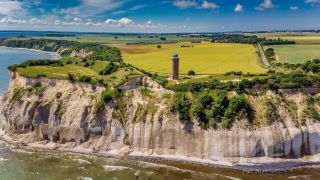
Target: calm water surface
x,y
24,165
14,56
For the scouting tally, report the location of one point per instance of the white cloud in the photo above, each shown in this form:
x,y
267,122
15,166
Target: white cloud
x,y
120,22
312,1
137,7
118,12
34,21
77,19
49,22
238,8
266,4
10,8
9,20
208,5
294,8
183,4
89,8
149,22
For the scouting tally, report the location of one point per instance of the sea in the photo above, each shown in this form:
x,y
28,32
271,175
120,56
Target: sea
x,y
19,164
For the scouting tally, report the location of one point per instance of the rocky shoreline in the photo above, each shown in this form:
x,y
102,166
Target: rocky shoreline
x,y
268,167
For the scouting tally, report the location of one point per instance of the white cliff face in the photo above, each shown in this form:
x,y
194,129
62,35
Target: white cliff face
x,y
63,112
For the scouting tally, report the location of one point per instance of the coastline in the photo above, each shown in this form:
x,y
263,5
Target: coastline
x,y
54,54
283,165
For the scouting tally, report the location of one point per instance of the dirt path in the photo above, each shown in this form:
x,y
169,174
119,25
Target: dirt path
x,y
263,57
277,59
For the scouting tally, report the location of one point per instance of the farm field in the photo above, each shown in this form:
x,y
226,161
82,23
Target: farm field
x,y
124,39
296,53
203,58
298,37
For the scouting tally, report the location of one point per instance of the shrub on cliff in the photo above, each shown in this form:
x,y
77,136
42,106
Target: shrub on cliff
x,y
37,62
238,106
104,98
85,79
220,110
111,68
71,77
181,105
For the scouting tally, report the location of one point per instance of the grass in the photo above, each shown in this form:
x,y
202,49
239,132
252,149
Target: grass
x,y
117,78
296,53
55,72
99,65
219,77
298,37
124,39
302,39
203,58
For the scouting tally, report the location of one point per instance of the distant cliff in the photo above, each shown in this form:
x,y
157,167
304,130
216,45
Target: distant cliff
x,y
67,48
64,115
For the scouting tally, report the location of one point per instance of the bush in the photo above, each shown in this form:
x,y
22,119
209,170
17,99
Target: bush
x,y
181,104
191,73
37,62
206,100
270,54
71,77
238,106
85,79
111,68
233,73
104,98
199,112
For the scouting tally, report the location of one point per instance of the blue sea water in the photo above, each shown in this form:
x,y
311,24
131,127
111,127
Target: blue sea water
x,y
14,56
14,34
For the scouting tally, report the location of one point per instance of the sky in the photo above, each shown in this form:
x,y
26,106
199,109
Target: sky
x,y
156,16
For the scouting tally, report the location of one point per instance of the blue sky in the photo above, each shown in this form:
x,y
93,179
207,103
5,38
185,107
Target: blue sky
x,y
159,15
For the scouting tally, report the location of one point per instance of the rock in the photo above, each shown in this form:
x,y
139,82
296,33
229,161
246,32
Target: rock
x,y
137,174
301,177
124,152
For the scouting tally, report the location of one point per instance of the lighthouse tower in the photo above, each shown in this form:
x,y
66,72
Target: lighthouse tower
x,y
175,66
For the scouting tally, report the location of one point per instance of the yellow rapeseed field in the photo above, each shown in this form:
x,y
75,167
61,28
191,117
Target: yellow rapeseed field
x,y
203,58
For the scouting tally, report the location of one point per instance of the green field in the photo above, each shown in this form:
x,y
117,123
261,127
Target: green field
x,y
298,37
122,75
296,53
124,39
203,58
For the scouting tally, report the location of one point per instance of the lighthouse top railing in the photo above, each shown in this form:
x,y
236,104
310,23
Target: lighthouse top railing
x,y
175,56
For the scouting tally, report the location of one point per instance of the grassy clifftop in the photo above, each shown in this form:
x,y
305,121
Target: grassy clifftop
x,y
90,51
84,62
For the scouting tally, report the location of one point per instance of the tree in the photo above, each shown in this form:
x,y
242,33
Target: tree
x,y
191,73
206,100
238,105
181,104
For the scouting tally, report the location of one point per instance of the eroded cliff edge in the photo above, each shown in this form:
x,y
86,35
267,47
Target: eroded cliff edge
x,y
59,114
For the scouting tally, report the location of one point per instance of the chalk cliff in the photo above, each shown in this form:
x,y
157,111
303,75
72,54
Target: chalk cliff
x,y
63,113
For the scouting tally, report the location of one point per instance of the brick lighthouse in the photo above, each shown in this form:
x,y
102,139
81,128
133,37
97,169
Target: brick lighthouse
x,y
175,67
